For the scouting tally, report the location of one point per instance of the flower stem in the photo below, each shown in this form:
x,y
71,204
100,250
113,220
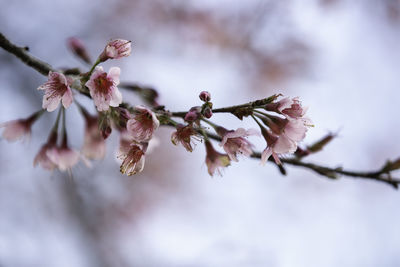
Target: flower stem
x,y
55,127
259,124
210,123
260,112
64,129
94,66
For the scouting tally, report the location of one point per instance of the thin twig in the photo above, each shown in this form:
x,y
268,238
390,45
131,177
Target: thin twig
x,y
22,53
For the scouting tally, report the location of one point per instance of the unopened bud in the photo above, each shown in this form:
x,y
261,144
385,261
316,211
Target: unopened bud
x,y
78,48
105,132
207,112
104,125
193,114
205,96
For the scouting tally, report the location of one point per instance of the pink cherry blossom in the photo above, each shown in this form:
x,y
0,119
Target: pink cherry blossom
x,y
103,88
116,49
142,126
214,159
41,158
63,157
290,108
276,145
57,89
134,161
16,129
294,129
186,136
234,142
94,146
132,154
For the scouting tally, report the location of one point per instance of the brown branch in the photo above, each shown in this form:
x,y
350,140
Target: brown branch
x,y
382,175
332,173
22,53
236,110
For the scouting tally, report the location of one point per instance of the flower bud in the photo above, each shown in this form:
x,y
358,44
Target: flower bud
x,y
205,96
78,48
193,114
207,112
104,125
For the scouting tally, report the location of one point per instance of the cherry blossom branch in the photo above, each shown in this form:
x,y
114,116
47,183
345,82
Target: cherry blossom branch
x,y
333,173
243,110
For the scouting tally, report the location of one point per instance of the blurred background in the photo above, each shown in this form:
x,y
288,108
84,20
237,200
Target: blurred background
x,y
340,57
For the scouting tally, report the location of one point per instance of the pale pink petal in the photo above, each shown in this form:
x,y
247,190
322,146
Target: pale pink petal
x,y
276,158
223,142
284,145
67,98
240,132
51,103
116,98
43,160
295,130
14,130
114,73
285,103
64,158
265,155
98,70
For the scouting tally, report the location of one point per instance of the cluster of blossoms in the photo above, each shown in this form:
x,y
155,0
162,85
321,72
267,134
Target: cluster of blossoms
x,y
283,123
286,131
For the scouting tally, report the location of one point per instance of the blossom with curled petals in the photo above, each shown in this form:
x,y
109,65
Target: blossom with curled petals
x,y
134,160
132,154
103,88
294,129
94,146
276,145
214,159
291,108
234,142
57,89
142,126
185,135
